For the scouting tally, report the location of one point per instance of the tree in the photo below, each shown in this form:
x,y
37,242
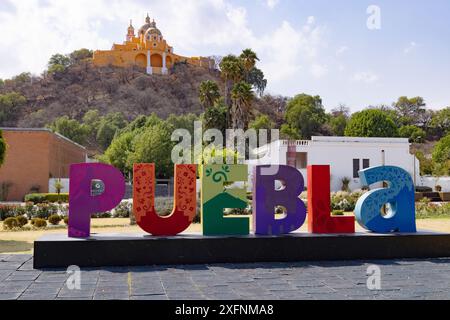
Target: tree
x,y
183,121
426,164
9,106
216,117
287,132
440,122
413,133
154,145
232,71
22,78
371,123
80,55
91,119
69,128
305,116
410,110
2,83
120,151
248,58
242,97
58,186
2,149
108,126
338,124
262,122
209,93
441,152
341,110
257,80
58,63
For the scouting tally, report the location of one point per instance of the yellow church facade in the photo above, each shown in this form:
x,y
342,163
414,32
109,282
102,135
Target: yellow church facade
x,y
148,50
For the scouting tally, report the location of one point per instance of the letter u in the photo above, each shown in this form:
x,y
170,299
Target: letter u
x,y
185,200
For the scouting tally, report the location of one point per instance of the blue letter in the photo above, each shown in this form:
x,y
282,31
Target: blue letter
x,y
399,195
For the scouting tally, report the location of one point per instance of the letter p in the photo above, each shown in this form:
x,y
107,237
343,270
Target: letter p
x,y
83,203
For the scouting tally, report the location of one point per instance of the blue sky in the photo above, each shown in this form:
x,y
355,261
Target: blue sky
x,y
317,47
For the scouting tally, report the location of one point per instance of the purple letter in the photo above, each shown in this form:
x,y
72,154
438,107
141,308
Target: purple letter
x,y
82,203
266,198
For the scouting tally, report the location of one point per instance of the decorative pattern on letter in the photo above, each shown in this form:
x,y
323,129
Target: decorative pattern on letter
x,y
185,203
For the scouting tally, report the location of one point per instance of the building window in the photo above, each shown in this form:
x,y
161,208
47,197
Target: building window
x,y
366,163
154,44
356,168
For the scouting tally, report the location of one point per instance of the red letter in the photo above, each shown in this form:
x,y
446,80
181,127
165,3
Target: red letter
x,y
319,204
185,203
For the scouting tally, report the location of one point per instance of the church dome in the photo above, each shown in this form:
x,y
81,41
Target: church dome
x,y
153,31
149,28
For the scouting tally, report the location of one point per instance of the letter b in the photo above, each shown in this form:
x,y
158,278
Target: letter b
x,y
266,198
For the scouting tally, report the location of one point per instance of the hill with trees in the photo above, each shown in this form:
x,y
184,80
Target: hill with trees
x,y
124,115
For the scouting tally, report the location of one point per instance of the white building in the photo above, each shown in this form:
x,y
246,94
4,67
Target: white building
x,y
345,155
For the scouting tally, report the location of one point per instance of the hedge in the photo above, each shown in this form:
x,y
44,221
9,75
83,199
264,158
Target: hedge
x,y
47,197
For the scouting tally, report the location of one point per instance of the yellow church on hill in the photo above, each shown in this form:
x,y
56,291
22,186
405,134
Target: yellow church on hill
x,y
148,49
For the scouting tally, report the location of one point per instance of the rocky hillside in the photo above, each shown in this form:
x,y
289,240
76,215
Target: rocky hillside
x,y
83,87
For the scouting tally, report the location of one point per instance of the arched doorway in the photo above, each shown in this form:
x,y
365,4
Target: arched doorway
x,y
156,60
141,60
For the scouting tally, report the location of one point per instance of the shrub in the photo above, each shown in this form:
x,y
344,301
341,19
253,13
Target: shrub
x,y
164,206
10,223
37,198
54,219
426,210
22,221
338,212
345,201
66,221
6,212
39,223
20,211
102,215
45,210
123,210
30,210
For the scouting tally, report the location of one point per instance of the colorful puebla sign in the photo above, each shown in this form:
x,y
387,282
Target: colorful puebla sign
x,y
215,197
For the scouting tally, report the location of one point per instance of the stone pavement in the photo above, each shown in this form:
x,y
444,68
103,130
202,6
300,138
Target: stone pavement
x,y
400,279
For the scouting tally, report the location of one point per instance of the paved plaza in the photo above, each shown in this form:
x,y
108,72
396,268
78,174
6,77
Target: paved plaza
x,y
400,279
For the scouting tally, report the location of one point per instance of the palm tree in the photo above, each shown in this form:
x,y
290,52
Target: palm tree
x,y
208,93
256,78
232,71
242,96
248,58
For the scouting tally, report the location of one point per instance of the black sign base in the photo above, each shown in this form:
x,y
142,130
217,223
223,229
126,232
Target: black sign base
x,y
103,250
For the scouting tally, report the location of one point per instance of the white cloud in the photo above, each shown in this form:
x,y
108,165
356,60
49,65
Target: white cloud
x,y
287,50
33,30
366,77
193,27
411,46
272,3
311,20
341,50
